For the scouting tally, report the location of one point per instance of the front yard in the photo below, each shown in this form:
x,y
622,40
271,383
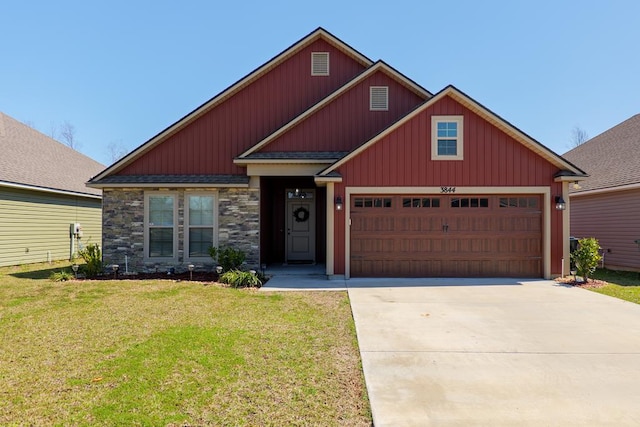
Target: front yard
x,y
174,353
621,284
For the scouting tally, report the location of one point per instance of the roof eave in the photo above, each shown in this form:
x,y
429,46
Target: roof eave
x,y
167,185
49,190
190,117
396,75
483,112
245,161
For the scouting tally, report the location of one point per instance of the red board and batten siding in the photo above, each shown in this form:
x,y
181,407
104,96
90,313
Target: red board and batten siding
x,y
347,121
614,219
491,159
212,141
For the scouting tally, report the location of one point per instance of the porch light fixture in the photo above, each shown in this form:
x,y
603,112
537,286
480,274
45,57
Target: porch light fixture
x,y
576,186
338,203
191,267
560,203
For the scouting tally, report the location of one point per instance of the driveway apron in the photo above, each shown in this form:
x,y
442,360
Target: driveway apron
x,y
496,352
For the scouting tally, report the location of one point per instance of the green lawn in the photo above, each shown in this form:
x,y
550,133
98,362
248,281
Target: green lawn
x,y
160,353
622,284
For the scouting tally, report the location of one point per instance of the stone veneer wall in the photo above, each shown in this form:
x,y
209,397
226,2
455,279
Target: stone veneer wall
x,y
123,227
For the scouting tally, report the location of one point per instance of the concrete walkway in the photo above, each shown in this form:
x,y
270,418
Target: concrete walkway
x,y
496,353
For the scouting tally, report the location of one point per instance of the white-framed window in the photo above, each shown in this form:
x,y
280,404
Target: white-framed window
x,y
160,226
319,63
200,224
379,98
447,142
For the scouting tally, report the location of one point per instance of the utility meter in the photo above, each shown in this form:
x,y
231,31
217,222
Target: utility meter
x,y
76,230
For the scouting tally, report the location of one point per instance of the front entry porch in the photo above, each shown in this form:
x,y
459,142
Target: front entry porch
x,y
292,221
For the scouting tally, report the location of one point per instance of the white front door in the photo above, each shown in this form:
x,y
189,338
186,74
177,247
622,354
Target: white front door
x,y
301,226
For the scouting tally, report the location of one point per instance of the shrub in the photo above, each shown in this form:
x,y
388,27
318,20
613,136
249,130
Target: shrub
x,y
240,279
61,276
586,257
227,257
92,256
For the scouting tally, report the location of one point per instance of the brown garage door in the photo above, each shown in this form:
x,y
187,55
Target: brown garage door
x,y
446,236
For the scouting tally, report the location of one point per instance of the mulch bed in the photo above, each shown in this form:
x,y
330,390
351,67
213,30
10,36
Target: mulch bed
x,y
210,277
591,283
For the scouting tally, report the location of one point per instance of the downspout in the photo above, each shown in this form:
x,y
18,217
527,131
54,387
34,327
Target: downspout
x,y
330,270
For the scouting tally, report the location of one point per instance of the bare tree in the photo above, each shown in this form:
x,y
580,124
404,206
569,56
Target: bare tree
x,y
68,135
53,130
578,136
116,151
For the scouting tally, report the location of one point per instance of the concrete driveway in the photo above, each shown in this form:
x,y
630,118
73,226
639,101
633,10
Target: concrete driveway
x,y
497,352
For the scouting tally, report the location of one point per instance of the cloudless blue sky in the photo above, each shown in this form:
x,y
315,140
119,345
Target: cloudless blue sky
x,y
122,71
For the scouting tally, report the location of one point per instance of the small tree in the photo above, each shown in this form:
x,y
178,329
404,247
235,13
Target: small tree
x,y
92,255
586,257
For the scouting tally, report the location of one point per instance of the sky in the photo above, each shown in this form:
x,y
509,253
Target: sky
x,y
122,71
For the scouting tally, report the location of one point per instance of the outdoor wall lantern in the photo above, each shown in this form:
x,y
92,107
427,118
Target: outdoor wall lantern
x,y
338,203
560,203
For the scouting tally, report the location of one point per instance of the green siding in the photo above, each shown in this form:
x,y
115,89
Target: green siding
x,y
35,224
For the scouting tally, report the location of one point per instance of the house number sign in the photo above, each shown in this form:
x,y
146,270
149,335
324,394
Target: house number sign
x,y
447,189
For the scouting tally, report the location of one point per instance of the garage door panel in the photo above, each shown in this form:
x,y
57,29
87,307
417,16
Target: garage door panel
x,y
473,236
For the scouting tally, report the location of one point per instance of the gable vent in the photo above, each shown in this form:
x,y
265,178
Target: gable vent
x,y
379,98
319,63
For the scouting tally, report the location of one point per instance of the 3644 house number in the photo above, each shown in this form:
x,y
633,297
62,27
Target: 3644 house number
x,y
447,189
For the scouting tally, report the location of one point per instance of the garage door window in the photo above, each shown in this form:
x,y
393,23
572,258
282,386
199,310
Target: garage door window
x,y
420,202
372,202
469,202
519,202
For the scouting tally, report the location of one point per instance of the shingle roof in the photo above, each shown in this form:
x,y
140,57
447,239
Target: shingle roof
x,y
612,158
173,179
33,159
298,155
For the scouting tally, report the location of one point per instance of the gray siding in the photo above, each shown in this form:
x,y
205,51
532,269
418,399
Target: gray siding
x,y
34,226
614,219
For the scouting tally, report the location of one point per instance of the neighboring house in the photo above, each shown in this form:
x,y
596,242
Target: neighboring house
x,y
324,156
607,204
42,193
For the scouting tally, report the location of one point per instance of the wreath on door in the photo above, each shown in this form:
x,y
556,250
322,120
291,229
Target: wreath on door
x,y
301,214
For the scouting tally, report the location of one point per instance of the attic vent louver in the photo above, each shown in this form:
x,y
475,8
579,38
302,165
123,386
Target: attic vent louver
x,y
319,63
379,98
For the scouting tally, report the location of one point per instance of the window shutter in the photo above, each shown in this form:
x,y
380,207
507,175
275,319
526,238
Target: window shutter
x,y
319,63
379,98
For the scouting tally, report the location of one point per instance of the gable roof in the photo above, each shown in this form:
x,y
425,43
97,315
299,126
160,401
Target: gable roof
x,y
612,158
231,90
459,96
378,66
31,159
